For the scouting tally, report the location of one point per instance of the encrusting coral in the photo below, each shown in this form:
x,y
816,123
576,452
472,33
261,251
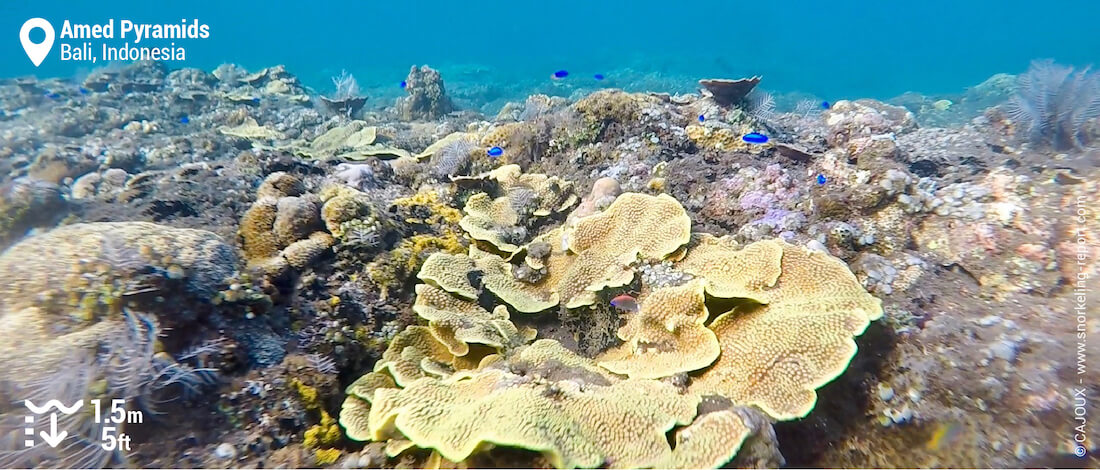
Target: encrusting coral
x,y
472,379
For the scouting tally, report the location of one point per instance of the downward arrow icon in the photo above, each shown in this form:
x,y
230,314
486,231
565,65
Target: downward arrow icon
x,y
53,438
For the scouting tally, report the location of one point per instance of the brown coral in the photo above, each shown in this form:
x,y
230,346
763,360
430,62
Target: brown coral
x,y
280,229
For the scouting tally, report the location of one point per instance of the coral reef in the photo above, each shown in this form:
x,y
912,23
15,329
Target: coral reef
x,y
277,283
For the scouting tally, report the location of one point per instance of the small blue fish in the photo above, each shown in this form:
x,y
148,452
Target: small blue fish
x,y
184,120
598,76
404,84
825,105
256,100
755,138
52,95
702,118
560,74
496,152
82,90
821,179
625,303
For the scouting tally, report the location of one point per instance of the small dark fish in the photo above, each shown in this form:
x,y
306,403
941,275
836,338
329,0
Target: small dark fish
x,y
184,120
825,105
256,100
560,74
598,76
754,138
702,118
52,95
82,90
821,179
404,84
625,302
496,152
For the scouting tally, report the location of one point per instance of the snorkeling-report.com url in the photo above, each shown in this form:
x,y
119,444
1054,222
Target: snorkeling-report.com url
x,y
1081,294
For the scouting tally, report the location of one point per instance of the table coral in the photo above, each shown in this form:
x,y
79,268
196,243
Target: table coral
x,y
505,222
456,322
728,92
654,225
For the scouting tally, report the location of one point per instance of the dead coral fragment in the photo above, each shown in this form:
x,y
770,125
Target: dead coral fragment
x,y
568,416
776,354
666,336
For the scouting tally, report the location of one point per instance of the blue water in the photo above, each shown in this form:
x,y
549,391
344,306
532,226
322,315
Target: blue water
x,y
833,49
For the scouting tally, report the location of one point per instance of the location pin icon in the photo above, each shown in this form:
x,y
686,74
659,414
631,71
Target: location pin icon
x,y
36,52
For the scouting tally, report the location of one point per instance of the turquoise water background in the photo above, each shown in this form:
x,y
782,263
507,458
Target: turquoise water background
x,y
836,49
